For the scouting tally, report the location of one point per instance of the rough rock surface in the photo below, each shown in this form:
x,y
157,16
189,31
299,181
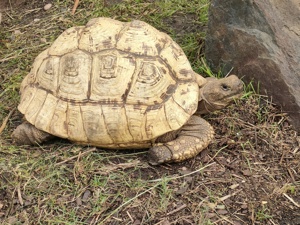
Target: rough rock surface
x,y
260,40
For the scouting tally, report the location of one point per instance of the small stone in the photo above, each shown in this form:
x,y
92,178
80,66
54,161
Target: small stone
x,y
17,32
234,186
244,206
210,215
182,190
47,6
86,195
222,212
36,20
183,168
43,40
78,202
247,172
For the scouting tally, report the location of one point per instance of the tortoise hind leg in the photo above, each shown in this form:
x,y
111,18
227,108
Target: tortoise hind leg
x,y
27,134
193,137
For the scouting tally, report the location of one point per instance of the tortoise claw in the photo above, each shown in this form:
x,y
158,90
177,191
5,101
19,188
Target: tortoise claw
x,y
159,154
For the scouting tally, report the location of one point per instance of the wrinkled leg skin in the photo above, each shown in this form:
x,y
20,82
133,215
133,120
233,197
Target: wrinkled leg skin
x,y
27,134
193,137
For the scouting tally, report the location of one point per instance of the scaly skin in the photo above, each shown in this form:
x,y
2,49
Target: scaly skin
x,y
194,136
27,134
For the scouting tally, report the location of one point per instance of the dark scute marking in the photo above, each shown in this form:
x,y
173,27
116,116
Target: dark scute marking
x,y
184,72
124,96
170,90
65,125
146,48
141,103
183,92
89,90
163,40
37,85
153,107
107,43
72,101
137,107
131,60
158,47
113,102
163,96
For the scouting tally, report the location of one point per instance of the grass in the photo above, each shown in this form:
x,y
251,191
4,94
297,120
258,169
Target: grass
x,y
254,157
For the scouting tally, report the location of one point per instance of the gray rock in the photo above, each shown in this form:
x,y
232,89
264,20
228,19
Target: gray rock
x,y
260,40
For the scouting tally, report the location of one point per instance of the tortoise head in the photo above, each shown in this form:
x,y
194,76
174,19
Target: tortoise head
x,y
218,93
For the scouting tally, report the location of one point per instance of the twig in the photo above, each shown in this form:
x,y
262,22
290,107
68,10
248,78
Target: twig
x,y
6,120
228,196
185,175
20,195
176,210
292,200
112,167
76,156
9,58
291,174
76,2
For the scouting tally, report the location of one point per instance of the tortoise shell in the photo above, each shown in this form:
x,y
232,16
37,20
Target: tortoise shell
x,y
110,84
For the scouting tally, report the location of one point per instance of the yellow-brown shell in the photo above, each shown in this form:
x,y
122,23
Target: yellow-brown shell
x,y
110,84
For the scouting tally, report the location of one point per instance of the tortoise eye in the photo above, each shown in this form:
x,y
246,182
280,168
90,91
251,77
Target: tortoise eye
x,y
225,87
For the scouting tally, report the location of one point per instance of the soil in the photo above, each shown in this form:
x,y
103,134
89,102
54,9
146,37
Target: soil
x,y
255,157
6,4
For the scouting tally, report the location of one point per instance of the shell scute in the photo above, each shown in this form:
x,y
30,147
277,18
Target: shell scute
x,y
142,39
46,113
174,56
58,125
37,102
48,74
75,124
111,75
66,42
94,125
151,81
100,34
74,76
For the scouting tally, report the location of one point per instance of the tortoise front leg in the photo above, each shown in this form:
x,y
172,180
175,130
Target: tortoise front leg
x,y
194,136
27,134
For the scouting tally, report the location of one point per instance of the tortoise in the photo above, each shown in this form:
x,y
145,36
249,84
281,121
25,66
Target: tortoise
x,y
121,85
